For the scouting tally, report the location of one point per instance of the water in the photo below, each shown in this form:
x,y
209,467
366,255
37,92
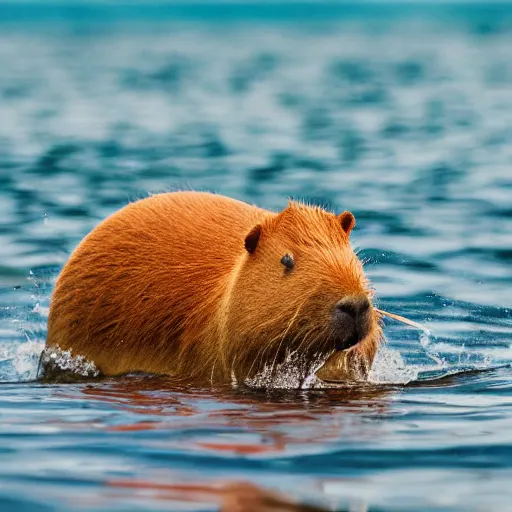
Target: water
x,y
405,119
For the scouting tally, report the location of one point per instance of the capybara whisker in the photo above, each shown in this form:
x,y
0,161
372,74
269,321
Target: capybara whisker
x,y
208,289
403,319
283,336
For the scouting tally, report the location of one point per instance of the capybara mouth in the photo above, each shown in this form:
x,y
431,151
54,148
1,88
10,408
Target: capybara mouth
x,y
342,367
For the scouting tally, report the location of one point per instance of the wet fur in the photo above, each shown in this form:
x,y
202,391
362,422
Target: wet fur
x,y
166,286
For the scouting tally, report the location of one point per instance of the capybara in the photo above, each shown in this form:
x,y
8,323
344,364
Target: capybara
x,y
205,288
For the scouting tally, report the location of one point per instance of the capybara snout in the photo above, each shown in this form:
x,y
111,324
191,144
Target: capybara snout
x,y
355,306
352,320
206,288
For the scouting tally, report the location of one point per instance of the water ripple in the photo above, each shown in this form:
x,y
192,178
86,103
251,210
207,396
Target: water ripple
x,y
406,122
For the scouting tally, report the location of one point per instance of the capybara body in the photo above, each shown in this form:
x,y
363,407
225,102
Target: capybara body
x,y
202,287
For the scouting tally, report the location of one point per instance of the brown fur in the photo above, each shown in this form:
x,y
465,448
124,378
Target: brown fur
x,y
165,285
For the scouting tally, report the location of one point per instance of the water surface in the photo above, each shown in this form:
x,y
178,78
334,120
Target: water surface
x,y
405,120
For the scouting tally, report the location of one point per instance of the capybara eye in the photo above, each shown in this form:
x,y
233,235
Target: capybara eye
x,y
287,261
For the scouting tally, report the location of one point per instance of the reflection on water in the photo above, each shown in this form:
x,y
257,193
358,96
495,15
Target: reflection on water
x,y
230,496
403,120
255,427
245,409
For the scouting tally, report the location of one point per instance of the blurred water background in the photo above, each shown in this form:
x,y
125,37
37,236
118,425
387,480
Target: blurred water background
x,y
400,112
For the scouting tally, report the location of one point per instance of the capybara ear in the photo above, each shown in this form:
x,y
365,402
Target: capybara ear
x,y
347,221
251,240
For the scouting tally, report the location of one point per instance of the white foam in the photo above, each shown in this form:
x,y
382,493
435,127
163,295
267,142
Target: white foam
x,y
63,360
390,368
293,373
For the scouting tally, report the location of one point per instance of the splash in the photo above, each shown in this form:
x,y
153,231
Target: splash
x,y
25,329
57,362
390,368
426,343
295,372
20,361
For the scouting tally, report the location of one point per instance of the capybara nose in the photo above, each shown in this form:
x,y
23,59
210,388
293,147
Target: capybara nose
x,y
354,306
351,320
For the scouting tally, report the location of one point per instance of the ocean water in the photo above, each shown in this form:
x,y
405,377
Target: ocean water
x,y
402,115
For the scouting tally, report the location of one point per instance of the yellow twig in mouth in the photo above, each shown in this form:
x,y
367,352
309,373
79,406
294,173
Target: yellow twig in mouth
x,y
403,320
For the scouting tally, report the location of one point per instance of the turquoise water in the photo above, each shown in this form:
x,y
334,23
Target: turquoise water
x,y
402,116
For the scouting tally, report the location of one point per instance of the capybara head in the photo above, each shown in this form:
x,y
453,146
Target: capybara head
x,y
301,289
